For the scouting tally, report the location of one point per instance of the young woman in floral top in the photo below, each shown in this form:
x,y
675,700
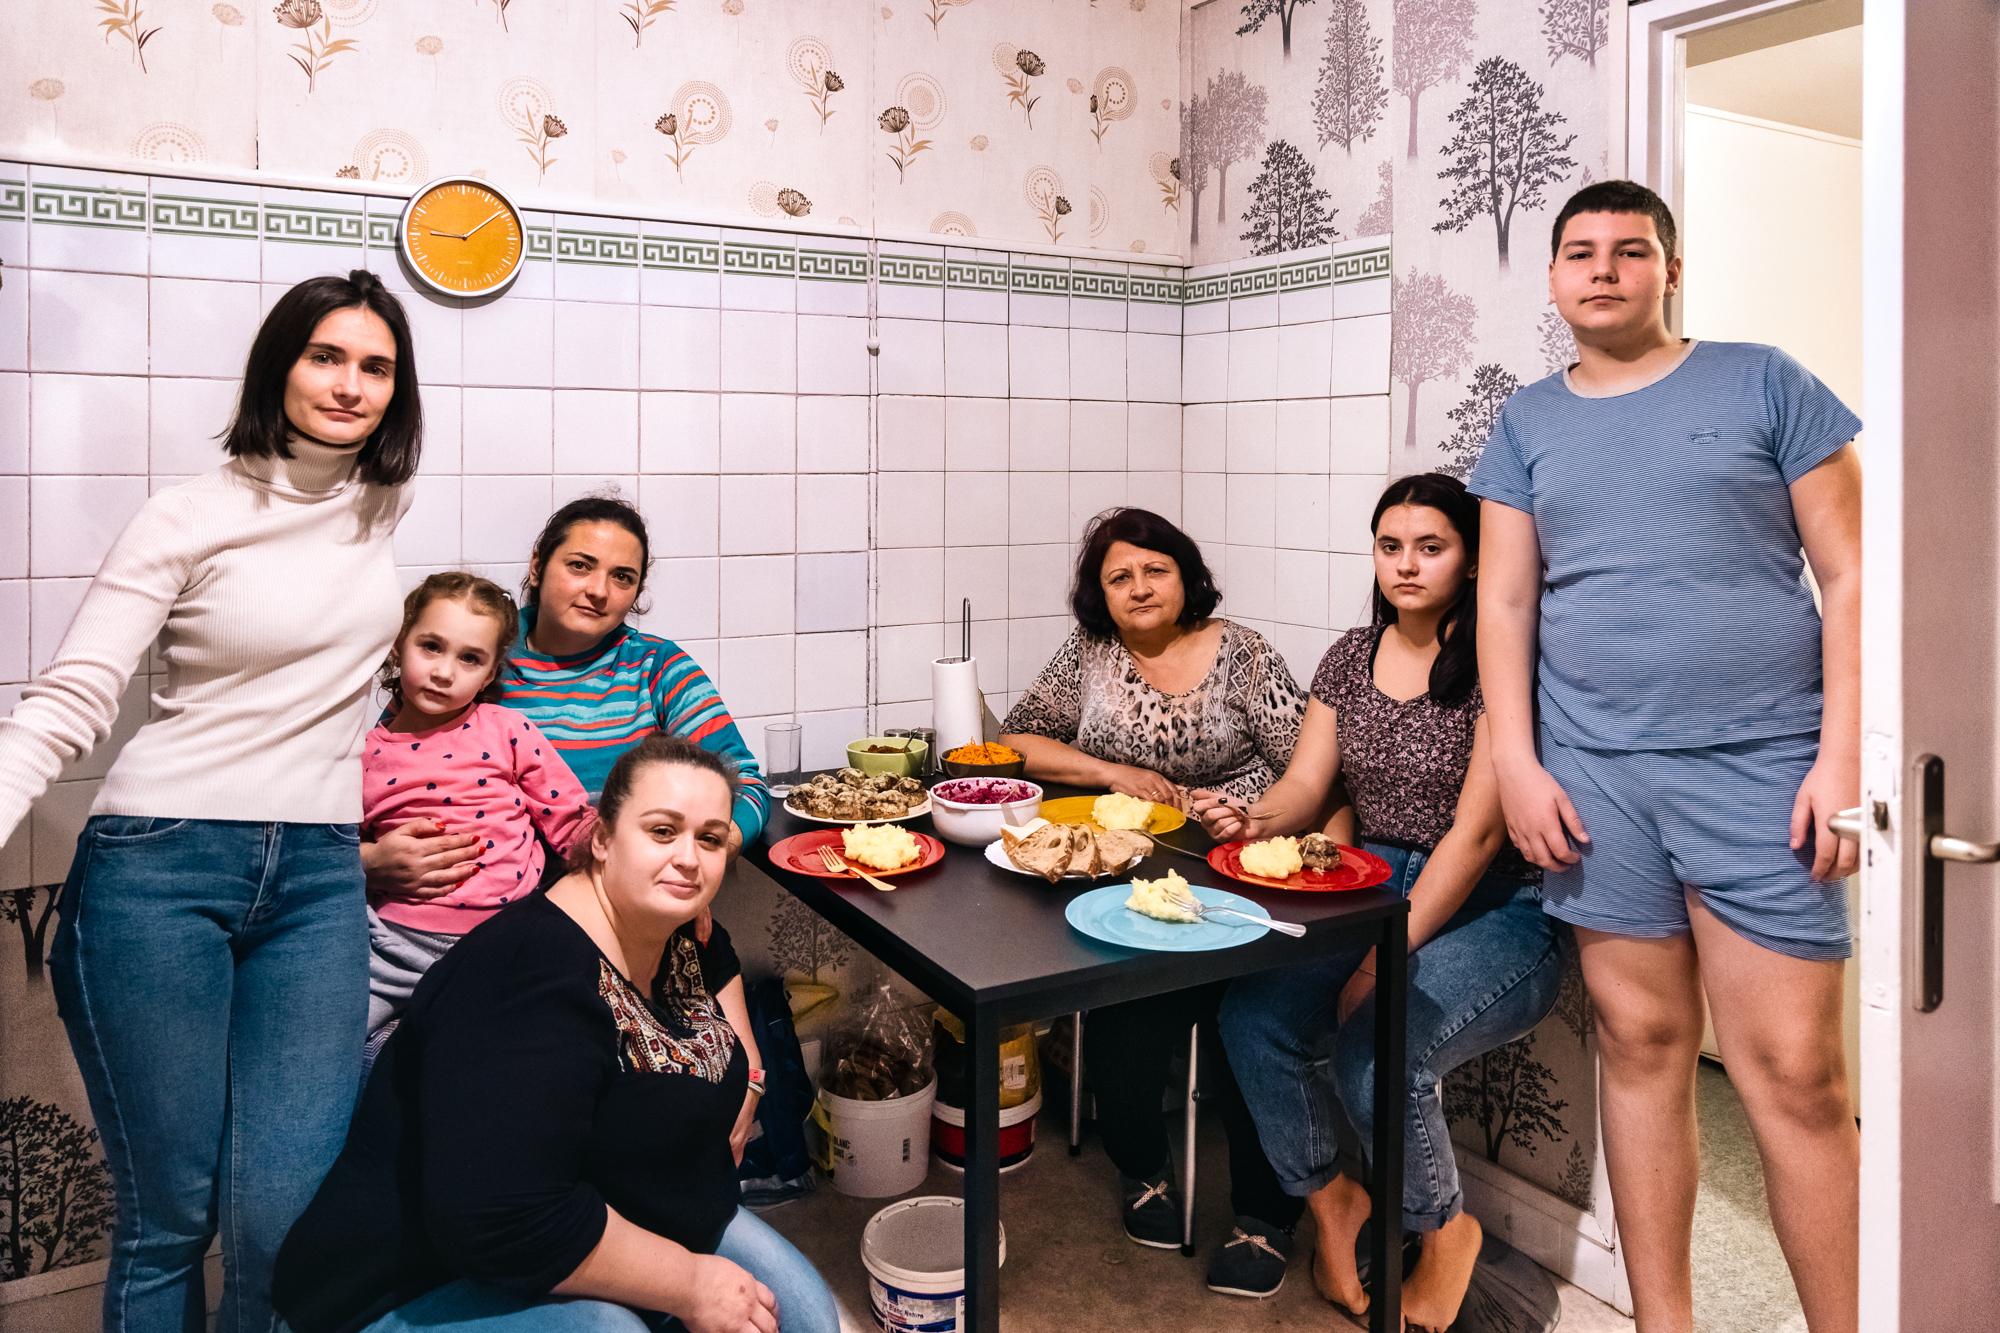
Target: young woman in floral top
x,y
1150,695
1397,716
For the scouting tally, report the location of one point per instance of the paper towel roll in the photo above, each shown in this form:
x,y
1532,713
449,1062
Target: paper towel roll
x,y
955,702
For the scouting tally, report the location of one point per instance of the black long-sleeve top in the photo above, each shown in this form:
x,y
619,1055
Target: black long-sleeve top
x,y
528,1089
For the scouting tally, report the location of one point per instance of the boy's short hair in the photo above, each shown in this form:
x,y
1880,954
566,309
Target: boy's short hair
x,y
1618,197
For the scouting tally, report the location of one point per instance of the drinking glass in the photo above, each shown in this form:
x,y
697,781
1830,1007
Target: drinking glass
x,y
782,763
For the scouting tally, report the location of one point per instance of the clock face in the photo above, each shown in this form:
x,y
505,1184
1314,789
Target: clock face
x,y
462,237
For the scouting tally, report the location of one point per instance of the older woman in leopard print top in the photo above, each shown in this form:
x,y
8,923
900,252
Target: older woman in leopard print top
x,y
1150,695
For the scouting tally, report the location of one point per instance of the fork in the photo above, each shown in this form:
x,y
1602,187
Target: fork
x,y
833,861
1204,910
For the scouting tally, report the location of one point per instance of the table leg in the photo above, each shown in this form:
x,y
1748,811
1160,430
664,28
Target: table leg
x,y
1392,971
982,1173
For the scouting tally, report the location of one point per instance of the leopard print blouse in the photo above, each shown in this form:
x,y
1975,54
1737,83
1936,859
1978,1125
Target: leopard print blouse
x,y
1233,732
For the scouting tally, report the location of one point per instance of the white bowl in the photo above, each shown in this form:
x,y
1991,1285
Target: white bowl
x,y
974,825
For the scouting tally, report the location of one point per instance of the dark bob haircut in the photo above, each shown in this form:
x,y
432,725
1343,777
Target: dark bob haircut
x,y
611,509
1148,531
1456,668
260,426
1618,197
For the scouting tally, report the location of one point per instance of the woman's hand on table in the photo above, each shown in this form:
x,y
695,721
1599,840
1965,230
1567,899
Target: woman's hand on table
x,y
1145,784
1224,818
419,860
727,1299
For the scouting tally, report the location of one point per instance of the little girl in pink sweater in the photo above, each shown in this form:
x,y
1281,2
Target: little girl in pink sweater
x,y
467,766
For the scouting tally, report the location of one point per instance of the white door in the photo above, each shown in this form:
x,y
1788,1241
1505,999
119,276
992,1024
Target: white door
x,y
1930,1115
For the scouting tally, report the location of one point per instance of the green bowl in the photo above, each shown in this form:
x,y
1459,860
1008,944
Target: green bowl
x,y
904,764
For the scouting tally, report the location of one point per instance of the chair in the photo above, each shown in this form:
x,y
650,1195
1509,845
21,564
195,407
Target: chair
x,y
1187,1128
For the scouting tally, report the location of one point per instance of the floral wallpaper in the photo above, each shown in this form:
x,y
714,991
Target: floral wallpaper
x,y
1043,122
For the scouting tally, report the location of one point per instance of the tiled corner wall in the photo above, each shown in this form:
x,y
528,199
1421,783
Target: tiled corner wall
x,y
819,508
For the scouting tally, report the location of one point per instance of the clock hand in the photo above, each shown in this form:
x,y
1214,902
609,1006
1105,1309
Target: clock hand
x,y
450,235
496,213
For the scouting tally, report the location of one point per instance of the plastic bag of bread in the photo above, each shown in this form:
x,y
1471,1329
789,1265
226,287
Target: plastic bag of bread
x,y
880,1051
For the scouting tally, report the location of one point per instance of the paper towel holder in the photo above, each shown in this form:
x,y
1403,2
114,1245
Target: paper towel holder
x,y
965,635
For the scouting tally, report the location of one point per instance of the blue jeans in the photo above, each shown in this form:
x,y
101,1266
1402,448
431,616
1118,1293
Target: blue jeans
x,y
213,978
805,1304
1487,978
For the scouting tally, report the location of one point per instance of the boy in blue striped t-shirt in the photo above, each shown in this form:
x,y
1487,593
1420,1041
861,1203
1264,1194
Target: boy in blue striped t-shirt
x,y
1673,722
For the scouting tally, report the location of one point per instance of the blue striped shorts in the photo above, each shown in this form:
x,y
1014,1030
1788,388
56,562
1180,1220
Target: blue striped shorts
x,y
1716,821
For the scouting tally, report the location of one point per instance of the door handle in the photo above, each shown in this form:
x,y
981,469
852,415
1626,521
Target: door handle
x,y
1848,824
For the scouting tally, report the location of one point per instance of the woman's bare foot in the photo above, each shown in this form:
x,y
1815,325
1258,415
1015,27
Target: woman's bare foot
x,y
1340,1207
1434,1290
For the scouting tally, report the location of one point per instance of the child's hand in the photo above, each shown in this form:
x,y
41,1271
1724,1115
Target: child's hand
x,y
419,860
1830,786
1540,819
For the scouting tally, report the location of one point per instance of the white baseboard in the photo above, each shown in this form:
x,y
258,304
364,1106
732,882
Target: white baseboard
x,y
1553,1232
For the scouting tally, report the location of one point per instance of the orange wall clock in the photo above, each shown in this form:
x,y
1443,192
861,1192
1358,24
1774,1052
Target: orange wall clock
x,y
462,237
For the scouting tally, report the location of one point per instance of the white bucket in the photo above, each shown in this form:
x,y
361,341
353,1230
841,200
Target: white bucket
x,y
876,1149
914,1252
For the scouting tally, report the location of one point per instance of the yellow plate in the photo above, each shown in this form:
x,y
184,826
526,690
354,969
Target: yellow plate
x,y
1076,810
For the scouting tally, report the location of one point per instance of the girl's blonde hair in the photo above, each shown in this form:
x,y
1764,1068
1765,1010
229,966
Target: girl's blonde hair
x,y
483,596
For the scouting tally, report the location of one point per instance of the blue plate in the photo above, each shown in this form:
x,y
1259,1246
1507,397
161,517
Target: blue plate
x,y
1102,915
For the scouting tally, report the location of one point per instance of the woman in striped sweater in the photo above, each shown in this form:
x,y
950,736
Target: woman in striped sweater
x,y
595,686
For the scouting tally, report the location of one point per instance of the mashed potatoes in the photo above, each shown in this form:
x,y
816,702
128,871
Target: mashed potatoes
x,y
1157,898
883,846
1113,811
1273,858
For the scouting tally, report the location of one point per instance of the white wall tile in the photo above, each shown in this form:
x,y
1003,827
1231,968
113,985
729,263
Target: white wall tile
x,y
437,336
832,351
1368,297
1038,434
975,508
1204,437
1204,505
1153,317
510,342
428,534
757,591
1038,579
14,641
975,434
1153,435
1253,437
757,675
683,287
909,509
682,514
91,424
909,586
1350,506
678,348
1097,437
13,424
1303,435
1252,514
567,486
91,322
1302,648
833,592
757,515
1038,507
1253,312
686,599
1360,434
759,351
52,604
1350,591
912,356
759,432
201,327
14,327
1361,355
680,432
1037,362
1305,366
1096,364
909,433
1205,368
1305,305
833,511
1302,511
509,431
1153,367
832,671
596,345
1248,585
1157,491
833,434
597,430
1090,494
1299,587
501,516
1253,364
827,735
903,657
1031,642
57,244
88,513
977,572
1206,317
975,359
444,429
14,528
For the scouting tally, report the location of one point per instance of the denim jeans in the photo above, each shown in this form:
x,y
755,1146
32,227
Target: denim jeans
x,y
1485,979
805,1304
213,978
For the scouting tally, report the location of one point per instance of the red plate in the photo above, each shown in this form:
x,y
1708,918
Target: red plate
x,y
1356,869
800,852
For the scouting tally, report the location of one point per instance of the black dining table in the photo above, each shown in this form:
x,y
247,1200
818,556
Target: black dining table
x,y
994,948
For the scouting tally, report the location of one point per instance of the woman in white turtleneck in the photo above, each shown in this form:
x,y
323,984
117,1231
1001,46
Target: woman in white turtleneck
x,y
211,961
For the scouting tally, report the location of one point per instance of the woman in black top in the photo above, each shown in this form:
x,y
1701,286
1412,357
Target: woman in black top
x,y
549,1140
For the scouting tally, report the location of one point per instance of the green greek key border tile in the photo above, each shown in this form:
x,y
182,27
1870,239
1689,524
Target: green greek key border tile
x,y
1363,265
763,261
685,253
13,201
605,249
975,275
88,206
1305,274
1200,291
381,232
1155,290
1253,282
298,225
189,215
1097,286
833,266
542,243
1031,281
910,270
